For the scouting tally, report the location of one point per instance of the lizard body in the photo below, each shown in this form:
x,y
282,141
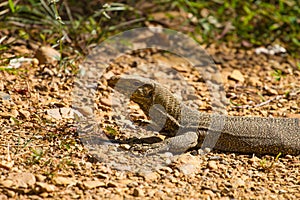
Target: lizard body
x,y
187,128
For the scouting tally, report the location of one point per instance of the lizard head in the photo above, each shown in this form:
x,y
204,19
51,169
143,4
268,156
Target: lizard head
x,y
136,88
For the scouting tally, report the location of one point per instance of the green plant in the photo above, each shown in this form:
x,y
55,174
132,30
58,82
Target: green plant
x,y
257,22
277,74
36,156
111,131
267,165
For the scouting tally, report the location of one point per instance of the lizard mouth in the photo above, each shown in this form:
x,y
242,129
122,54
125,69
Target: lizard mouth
x,y
113,81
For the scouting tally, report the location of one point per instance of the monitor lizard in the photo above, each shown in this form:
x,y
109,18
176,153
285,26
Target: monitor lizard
x,y
187,128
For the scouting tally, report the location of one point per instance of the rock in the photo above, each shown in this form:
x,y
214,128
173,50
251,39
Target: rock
x,y
14,113
11,193
238,182
54,113
7,164
137,192
255,81
67,113
112,184
212,165
149,175
84,111
237,76
47,55
188,164
106,102
6,115
60,180
187,169
46,187
93,184
40,177
7,183
4,96
22,179
270,91
24,113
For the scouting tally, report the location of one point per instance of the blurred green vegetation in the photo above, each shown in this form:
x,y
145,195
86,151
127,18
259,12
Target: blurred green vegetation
x,y
78,24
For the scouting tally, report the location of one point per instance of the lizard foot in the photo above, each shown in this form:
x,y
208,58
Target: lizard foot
x,y
176,145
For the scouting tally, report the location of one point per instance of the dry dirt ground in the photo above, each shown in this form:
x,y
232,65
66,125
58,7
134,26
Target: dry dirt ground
x,y
42,156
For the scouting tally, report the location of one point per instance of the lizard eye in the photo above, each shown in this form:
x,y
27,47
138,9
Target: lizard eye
x,y
149,94
136,83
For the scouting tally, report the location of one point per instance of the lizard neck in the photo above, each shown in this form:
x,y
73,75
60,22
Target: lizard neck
x,y
166,99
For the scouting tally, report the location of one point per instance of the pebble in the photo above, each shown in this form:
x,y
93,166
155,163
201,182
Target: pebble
x,y
7,183
46,187
26,114
4,96
149,175
60,180
212,165
237,76
93,184
22,179
47,55
138,192
54,113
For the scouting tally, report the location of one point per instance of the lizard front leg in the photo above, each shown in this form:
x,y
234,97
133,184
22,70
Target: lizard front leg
x,y
176,145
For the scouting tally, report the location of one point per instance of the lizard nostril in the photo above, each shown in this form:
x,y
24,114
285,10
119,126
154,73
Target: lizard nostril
x,y
136,83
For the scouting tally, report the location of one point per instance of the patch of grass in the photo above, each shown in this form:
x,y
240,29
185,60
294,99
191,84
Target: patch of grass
x,y
255,22
36,156
277,74
73,26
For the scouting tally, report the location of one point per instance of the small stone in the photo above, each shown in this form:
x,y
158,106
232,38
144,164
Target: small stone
x,y
46,187
237,76
24,113
112,184
11,193
54,113
180,68
67,113
209,192
93,184
47,55
125,146
85,111
148,175
40,177
212,164
255,81
7,183
106,102
187,169
5,115
22,179
270,91
60,180
14,113
137,192
35,62
7,164
238,182
44,194
4,96
101,175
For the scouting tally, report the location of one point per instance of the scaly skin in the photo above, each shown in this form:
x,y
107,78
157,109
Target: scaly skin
x,y
188,128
